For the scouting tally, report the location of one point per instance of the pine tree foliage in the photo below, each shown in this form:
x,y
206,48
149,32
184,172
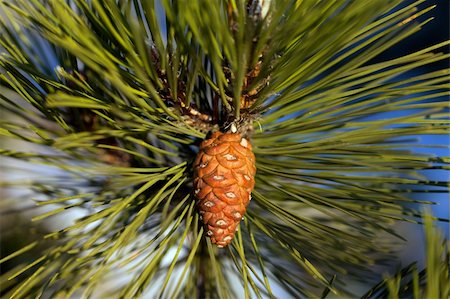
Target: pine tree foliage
x,y
116,96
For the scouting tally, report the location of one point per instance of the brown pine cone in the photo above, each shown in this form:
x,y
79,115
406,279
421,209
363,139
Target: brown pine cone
x,y
223,180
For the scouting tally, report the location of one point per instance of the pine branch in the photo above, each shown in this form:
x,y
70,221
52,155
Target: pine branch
x,y
114,98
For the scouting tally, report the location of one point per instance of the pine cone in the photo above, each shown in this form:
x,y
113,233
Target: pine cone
x,y
223,180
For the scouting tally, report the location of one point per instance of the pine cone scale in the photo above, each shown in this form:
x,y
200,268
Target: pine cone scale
x,y
215,149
